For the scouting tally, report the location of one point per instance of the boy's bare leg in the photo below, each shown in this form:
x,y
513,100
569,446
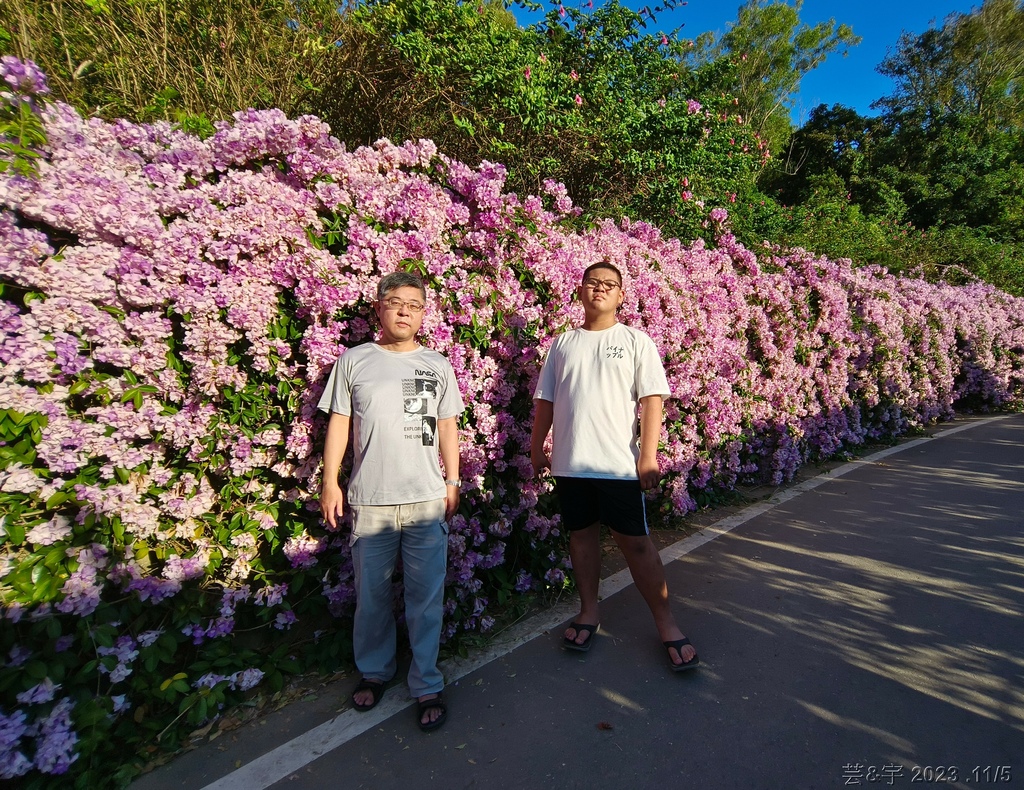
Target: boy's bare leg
x,y
649,577
585,551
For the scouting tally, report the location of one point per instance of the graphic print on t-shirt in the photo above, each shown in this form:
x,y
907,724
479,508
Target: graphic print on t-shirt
x,y
417,397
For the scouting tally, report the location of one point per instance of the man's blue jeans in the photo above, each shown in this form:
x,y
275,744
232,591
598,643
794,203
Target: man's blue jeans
x,y
380,534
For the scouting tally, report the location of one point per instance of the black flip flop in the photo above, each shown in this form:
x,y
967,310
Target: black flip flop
x,y
375,687
693,663
572,644
423,707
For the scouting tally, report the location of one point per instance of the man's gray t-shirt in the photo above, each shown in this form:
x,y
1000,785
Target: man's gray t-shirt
x,y
394,399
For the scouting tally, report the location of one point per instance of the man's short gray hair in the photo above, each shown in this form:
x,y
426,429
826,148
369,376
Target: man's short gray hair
x,y
395,280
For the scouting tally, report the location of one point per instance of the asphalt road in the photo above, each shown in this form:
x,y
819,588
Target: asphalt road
x,y
862,629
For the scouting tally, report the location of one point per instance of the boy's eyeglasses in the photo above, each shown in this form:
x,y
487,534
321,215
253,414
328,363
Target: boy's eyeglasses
x,y
397,304
604,285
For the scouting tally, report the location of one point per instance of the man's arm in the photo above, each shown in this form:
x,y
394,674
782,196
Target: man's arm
x,y
650,434
332,501
543,415
448,444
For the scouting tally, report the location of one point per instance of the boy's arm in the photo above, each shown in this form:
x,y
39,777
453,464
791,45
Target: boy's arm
x,y
543,416
448,444
650,433
332,501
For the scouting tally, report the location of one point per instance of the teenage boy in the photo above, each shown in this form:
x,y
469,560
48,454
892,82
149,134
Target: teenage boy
x,y
591,385
400,501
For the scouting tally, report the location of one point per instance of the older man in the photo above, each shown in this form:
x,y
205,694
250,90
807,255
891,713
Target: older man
x,y
401,403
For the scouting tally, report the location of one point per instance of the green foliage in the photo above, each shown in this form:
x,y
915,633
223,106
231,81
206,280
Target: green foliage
x,y
830,223
948,174
176,59
21,136
587,98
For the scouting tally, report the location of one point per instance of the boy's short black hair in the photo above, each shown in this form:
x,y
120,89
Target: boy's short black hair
x,y
602,265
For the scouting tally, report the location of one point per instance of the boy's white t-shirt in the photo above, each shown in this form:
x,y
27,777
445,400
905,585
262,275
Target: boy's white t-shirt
x,y
395,399
595,381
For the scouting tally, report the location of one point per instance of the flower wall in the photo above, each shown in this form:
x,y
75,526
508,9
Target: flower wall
x,y
170,309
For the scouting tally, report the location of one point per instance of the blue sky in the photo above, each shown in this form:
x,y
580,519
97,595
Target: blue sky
x,y
852,80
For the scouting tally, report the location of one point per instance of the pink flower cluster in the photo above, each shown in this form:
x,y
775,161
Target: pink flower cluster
x,y
159,264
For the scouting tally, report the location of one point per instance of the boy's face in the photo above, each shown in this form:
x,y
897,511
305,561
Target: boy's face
x,y
399,320
601,292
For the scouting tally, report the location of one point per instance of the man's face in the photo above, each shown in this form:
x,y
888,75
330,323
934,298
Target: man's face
x,y
601,291
400,313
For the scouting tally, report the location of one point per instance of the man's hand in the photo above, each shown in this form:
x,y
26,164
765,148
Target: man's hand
x,y
649,473
540,461
332,503
451,501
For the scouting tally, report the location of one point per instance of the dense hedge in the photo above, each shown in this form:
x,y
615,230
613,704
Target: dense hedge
x,y
170,307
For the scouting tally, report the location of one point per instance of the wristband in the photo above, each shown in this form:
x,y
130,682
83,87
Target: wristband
x,y
456,483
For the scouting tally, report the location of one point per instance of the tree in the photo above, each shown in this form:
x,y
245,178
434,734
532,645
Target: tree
x,y
973,65
772,51
835,142
955,146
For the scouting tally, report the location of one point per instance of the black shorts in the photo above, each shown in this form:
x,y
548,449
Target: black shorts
x,y
618,504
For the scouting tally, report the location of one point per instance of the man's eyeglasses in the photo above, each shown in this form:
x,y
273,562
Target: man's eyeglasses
x,y
397,304
604,285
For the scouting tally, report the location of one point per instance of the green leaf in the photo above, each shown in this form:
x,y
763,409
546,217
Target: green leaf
x,y
54,557
56,499
35,669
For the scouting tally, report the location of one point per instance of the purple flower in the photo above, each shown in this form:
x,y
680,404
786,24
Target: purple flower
x,y
56,740
209,680
284,620
271,595
24,76
12,761
247,678
124,651
181,569
49,532
147,638
42,692
153,589
302,550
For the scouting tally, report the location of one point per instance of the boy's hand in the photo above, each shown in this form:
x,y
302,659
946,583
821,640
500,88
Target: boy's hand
x,y
332,503
540,461
649,473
